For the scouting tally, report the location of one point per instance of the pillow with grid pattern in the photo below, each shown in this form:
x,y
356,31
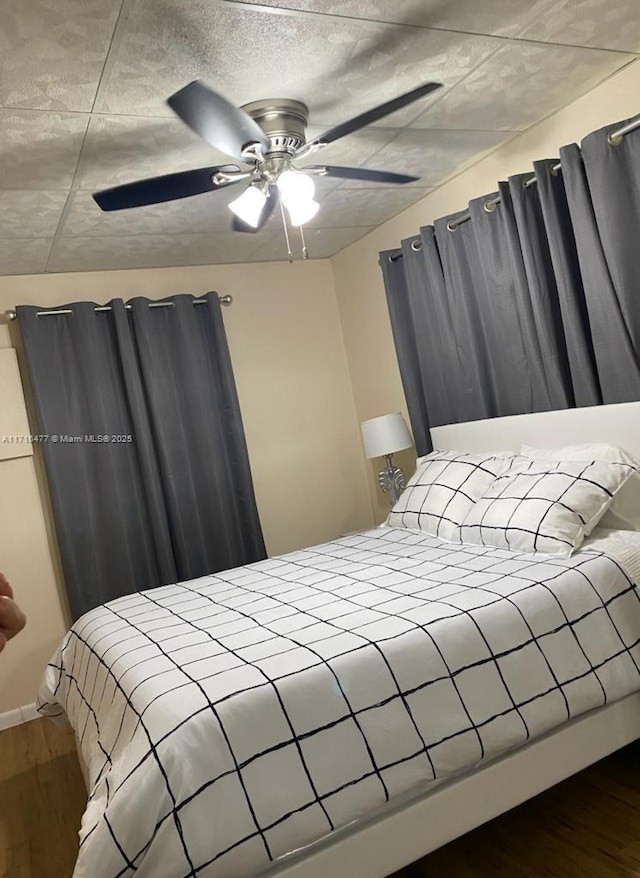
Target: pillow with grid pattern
x,y
544,506
443,489
624,512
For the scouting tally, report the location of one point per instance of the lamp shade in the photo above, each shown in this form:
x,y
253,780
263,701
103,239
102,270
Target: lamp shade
x,y
385,434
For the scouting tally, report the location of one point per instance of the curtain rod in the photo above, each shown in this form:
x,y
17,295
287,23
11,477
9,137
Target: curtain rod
x,y
615,138
489,206
492,203
224,300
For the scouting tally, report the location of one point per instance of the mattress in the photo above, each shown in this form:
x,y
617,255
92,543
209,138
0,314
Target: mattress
x,y
231,719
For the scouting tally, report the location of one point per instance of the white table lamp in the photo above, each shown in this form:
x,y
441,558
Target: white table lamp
x,y
382,437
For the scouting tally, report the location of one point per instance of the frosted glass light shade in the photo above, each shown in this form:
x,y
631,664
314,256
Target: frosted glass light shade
x,y
301,213
295,188
385,434
249,206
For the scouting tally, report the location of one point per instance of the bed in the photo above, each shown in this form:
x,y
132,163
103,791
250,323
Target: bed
x,y
350,707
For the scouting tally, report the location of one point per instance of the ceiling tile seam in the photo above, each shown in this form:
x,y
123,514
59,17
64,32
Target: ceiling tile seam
x,y
352,186
478,158
30,238
94,115
474,159
73,187
116,40
407,127
68,199
631,60
448,89
40,188
552,7
577,97
281,10
47,112
174,234
173,265
313,13
523,41
546,8
49,251
438,130
108,53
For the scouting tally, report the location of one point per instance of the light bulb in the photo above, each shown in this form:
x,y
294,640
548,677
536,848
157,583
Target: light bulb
x,y
302,212
249,206
295,188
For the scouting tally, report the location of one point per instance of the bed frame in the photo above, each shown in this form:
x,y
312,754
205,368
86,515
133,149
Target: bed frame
x,y
410,827
402,833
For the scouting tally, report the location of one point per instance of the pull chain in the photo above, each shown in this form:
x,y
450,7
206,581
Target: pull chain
x,y
305,252
286,231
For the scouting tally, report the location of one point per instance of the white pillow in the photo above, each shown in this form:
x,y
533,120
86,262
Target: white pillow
x,y
624,512
443,489
544,506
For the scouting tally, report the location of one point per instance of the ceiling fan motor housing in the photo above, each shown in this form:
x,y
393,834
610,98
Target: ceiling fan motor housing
x,y
283,121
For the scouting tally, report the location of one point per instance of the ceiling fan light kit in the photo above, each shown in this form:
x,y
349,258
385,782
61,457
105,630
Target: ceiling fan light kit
x,y
297,190
268,136
249,206
299,214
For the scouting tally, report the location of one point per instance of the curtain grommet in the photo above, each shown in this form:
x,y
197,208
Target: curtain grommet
x,y
490,206
528,183
452,226
614,138
416,245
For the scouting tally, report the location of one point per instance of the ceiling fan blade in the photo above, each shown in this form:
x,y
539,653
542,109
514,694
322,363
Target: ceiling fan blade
x,y
361,174
156,190
376,113
217,120
272,199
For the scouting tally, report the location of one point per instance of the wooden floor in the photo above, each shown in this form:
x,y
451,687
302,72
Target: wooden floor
x,y
587,827
42,798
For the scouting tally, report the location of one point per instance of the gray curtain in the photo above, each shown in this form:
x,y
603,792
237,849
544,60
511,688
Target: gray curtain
x,y
166,494
412,348
603,191
561,266
526,301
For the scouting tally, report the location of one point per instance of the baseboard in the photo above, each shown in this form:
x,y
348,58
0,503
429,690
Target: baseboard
x,y
11,718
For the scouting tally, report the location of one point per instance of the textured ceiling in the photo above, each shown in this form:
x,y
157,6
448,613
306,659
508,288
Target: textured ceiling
x,y
83,85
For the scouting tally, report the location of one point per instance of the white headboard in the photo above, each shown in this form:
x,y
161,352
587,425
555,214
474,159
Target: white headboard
x,y
616,424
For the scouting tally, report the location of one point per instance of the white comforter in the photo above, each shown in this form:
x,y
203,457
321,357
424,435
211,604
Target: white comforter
x,y
230,719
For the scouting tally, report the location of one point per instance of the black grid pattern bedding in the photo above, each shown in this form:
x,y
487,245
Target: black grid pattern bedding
x,y
544,506
443,489
231,719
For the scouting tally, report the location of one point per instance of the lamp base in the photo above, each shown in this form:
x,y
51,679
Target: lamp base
x,y
392,480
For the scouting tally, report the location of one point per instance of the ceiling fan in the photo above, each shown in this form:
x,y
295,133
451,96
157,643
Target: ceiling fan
x,y
267,135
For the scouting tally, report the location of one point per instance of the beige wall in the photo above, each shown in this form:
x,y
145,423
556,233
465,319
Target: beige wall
x,y
363,313
298,411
